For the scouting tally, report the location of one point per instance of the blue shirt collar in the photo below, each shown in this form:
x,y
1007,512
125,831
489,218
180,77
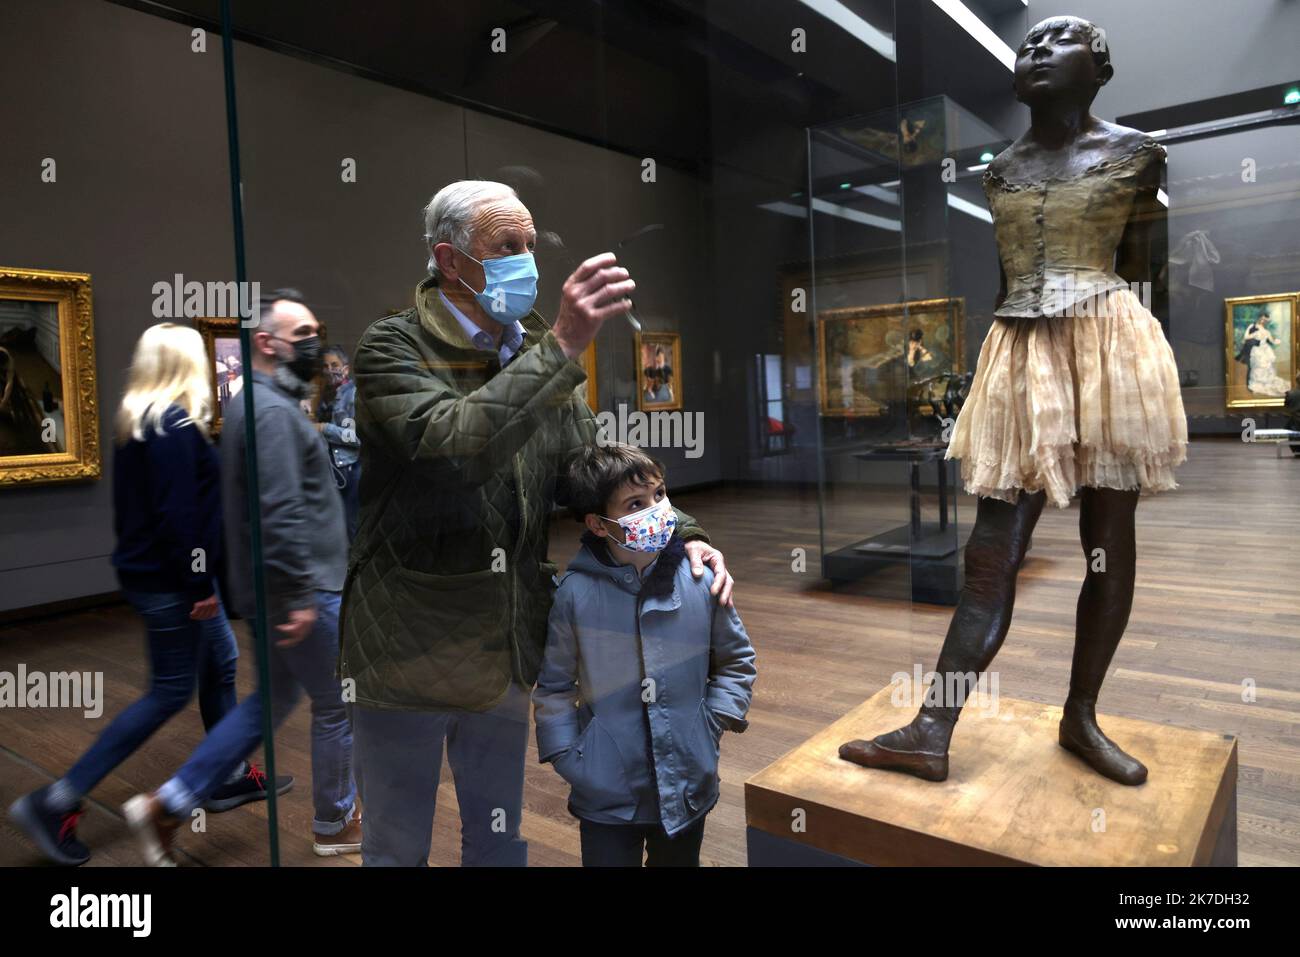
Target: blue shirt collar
x,y
510,341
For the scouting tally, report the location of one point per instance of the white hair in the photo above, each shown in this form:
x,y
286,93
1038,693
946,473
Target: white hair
x,y
447,217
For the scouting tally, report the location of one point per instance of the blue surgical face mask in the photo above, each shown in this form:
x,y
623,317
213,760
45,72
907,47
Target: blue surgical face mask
x,y
511,286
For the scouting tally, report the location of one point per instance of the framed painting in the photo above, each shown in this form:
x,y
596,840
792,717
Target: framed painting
x,y
49,408
869,356
659,363
1260,335
221,336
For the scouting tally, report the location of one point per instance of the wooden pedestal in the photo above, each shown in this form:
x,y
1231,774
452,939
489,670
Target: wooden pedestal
x,y
1013,796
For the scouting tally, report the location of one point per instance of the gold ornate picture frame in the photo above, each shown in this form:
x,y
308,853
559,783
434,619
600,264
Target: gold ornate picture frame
x,y
1261,349
49,405
226,368
221,339
658,371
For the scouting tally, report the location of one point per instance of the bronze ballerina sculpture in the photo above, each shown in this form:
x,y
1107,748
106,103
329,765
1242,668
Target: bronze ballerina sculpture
x,y
1075,390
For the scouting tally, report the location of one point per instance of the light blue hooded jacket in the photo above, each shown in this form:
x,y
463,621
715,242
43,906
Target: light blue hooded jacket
x,y
639,679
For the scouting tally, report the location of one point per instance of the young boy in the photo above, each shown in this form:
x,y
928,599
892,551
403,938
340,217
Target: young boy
x,y
642,673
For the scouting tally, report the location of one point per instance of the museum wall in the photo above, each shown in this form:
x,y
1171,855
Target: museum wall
x,y
135,124
137,127
1250,228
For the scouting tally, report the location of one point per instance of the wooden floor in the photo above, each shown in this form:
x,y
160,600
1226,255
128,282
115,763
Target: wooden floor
x,y
1216,611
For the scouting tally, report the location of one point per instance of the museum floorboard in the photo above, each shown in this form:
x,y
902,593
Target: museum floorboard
x,y
1201,626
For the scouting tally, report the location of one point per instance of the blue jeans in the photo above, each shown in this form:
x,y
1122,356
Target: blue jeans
x,y
181,652
399,757
309,666
351,493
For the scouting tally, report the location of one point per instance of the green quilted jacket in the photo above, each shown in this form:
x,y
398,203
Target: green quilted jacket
x,y
448,587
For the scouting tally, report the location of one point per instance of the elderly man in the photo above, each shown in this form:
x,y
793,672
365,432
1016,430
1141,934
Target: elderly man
x,y
466,409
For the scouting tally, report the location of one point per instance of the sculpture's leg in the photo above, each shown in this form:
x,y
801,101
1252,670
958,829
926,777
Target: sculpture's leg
x,y
1109,546
994,554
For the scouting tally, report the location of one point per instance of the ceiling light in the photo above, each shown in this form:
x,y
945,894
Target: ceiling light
x,y
848,21
977,29
969,208
832,209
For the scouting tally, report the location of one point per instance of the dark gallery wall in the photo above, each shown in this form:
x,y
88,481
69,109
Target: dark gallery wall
x,y
1251,227
136,123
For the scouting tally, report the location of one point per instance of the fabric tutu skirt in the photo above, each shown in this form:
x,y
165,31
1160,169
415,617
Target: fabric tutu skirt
x,y
1062,402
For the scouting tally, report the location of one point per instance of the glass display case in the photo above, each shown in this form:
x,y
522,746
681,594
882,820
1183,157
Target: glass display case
x,y
903,284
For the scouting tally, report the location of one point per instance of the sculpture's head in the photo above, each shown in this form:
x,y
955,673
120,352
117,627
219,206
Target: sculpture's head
x,y
1062,59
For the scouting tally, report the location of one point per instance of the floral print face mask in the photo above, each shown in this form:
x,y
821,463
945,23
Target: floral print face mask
x,y
647,530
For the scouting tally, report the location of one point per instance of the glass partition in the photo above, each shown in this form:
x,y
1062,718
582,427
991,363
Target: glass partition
x,y
673,138
119,353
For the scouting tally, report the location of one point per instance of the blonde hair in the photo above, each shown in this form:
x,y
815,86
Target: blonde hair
x,y
170,367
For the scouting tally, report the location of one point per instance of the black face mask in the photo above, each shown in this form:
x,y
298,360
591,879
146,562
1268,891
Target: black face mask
x,y
307,360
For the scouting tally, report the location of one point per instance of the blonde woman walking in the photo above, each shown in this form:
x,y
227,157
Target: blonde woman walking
x,y
167,521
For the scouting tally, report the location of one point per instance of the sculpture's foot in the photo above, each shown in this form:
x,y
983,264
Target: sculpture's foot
x,y
1082,737
919,749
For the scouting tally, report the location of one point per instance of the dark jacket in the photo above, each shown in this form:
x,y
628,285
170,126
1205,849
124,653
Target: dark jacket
x,y
340,430
449,586
624,653
304,539
167,504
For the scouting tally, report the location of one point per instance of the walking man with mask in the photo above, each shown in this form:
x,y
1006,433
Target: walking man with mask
x,y
466,411
304,555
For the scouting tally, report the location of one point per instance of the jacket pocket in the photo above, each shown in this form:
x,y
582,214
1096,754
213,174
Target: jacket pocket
x,y
594,768
714,724
711,737
449,635
700,789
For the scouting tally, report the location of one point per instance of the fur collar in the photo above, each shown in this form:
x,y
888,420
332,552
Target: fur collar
x,y
659,583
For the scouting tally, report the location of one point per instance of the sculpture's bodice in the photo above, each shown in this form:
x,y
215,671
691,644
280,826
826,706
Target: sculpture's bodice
x,y
1057,237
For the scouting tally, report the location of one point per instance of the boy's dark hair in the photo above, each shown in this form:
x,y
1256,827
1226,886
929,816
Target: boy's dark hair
x,y
596,472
